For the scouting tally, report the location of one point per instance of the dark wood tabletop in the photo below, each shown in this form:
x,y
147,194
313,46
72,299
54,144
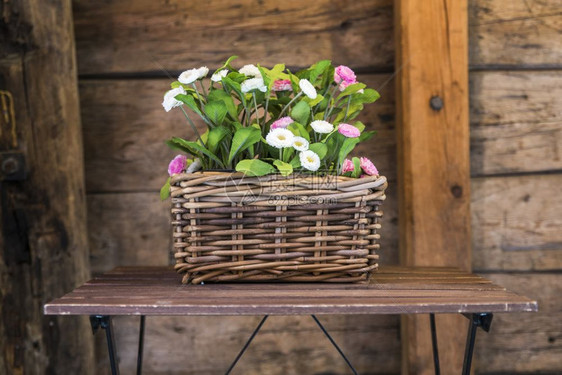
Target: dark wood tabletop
x,y
392,290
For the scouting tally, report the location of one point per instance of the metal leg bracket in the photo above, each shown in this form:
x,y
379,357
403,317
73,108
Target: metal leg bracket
x,y
104,322
482,320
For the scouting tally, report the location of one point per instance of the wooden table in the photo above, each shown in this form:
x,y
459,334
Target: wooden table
x,y
154,291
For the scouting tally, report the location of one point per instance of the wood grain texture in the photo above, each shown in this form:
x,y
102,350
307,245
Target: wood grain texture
x,y
515,33
516,122
433,159
43,217
524,343
134,36
124,139
392,290
516,223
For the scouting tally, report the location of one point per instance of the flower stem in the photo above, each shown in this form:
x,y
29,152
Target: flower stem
x,y
347,108
192,126
203,89
265,111
329,108
256,106
288,104
198,95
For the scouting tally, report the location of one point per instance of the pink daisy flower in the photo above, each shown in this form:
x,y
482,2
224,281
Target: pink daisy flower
x,y
349,131
283,122
347,166
177,165
368,167
282,85
344,73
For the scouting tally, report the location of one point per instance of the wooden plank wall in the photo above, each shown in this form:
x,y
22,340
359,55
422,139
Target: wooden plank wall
x,y
516,135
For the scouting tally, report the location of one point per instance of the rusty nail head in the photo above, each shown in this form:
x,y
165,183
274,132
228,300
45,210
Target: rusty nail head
x,y
436,103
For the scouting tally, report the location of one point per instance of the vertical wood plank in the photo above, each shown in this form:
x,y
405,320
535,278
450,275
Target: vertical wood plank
x,y
43,240
433,161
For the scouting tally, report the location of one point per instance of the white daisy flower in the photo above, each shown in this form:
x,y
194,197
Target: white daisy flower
x,y
280,138
253,84
170,98
192,75
219,75
321,126
189,76
203,71
250,70
300,144
310,160
307,88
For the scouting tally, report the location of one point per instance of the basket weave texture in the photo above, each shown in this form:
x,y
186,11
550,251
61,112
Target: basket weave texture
x,y
227,227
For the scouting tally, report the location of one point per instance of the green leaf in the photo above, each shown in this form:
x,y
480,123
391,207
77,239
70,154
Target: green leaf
x,y
284,168
227,63
193,148
313,102
299,130
318,69
243,138
359,125
165,190
353,108
365,136
254,167
216,135
189,101
369,96
351,89
328,77
233,85
357,167
216,112
347,146
320,148
296,162
301,112
220,95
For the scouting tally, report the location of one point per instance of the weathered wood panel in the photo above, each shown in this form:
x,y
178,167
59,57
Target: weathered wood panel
x,y
285,345
518,33
524,343
43,241
125,128
516,122
517,223
133,35
433,159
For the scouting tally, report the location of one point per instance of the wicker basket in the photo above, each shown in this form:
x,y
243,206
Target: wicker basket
x,y
227,227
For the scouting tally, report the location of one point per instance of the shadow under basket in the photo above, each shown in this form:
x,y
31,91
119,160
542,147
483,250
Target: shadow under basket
x,y
300,228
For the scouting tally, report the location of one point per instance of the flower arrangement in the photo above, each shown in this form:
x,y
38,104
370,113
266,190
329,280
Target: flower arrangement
x,y
263,121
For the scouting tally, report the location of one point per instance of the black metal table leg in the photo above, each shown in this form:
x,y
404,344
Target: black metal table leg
x,y
141,345
105,322
334,343
482,320
246,345
434,344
